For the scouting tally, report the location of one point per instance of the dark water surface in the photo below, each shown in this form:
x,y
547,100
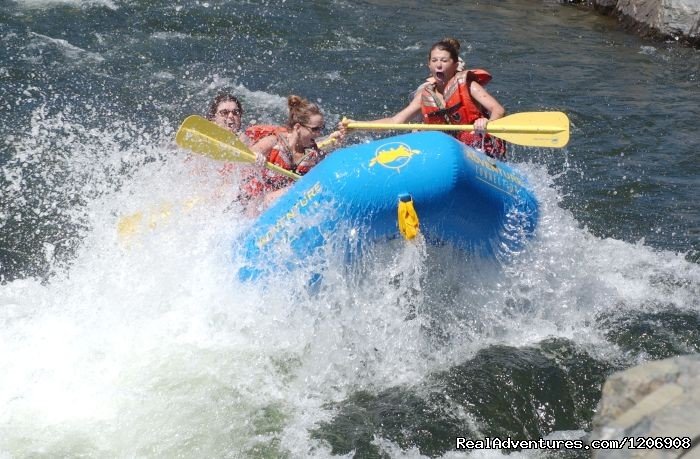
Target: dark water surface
x,y
153,351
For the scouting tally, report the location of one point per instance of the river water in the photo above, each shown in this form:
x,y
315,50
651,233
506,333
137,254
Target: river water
x,y
151,348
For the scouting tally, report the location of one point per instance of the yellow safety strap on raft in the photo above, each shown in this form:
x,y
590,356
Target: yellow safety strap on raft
x,y
408,218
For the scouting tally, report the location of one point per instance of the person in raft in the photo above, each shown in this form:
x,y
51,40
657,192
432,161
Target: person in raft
x,y
454,96
226,111
292,147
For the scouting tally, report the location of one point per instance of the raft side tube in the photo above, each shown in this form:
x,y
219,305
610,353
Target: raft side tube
x,y
462,197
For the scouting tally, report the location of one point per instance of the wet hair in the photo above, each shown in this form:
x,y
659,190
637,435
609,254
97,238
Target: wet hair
x,y
222,97
450,45
301,110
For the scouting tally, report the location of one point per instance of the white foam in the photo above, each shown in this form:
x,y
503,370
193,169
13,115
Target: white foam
x,y
153,345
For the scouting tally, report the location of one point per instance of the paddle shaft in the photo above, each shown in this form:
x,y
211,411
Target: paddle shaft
x,y
451,127
533,129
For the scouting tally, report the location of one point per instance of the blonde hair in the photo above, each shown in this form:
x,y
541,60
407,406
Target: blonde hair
x,y
301,110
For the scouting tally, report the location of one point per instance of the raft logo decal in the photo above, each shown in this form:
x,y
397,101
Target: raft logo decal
x,y
393,155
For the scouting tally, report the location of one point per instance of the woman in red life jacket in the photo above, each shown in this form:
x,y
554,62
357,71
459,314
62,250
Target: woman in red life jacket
x,y
451,96
292,147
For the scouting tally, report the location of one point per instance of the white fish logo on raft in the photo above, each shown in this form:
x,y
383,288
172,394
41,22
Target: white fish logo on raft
x,y
394,155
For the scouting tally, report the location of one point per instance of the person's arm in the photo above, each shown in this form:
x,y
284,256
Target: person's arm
x,y
405,115
245,139
262,149
490,104
332,141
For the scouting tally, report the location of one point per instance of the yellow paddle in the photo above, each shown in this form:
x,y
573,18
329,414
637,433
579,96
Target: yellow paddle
x,y
131,224
531,129
206,138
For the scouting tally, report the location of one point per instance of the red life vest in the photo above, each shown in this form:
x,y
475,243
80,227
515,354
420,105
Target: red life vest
x,y
461,108
251,135
267,180
259,131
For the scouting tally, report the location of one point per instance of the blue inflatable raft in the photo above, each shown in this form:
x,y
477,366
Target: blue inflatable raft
x,y
365,192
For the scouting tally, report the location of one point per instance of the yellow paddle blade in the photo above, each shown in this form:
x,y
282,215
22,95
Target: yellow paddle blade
x,y
206,138
532,129
130,225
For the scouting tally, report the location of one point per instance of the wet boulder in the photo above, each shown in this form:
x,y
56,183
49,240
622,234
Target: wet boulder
x,y
666,19
656,400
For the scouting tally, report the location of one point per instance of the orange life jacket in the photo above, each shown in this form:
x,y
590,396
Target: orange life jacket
x,y
267,180
259,131
461,108
251,135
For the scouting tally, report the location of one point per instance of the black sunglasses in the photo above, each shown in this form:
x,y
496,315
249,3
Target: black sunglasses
x,y
320,128
225,113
